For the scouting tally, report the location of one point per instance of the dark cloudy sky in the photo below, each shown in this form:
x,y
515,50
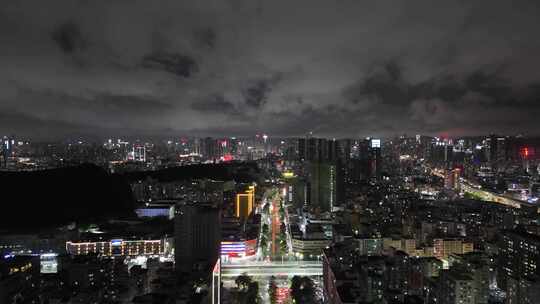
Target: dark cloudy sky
x,y
285,67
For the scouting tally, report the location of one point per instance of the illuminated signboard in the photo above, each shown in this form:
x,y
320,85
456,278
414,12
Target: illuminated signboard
x,y
251,247
375,143
227,158
527,152
239,248
288,174
116,242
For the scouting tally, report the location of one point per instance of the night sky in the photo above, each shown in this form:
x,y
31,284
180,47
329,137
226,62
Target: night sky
x,y
235,67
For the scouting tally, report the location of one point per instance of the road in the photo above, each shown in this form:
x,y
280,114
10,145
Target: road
x,y
272,271
275,226
276,264
483,194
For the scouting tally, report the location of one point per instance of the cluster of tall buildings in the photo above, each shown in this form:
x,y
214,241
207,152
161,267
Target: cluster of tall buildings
x,y
325,168
411,220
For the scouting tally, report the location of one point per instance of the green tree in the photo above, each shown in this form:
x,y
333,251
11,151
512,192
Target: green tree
x,y
252,294
281,213
265,229
272,289
296,283
263,241
243,281
283,246
302,290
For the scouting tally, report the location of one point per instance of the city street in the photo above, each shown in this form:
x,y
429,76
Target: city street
x,y
276,260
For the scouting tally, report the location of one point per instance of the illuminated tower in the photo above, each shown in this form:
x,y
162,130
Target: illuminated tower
x,y
375,157
7,148
210,149
323,185
139,153
245,202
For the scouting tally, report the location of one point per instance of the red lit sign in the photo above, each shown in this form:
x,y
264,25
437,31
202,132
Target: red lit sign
x,y
527,152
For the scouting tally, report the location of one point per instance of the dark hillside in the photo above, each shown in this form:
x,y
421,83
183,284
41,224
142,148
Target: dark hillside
x,y
58,196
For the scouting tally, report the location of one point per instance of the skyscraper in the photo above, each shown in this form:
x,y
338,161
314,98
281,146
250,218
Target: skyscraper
x,y
139,153
210,149
344,146
197,234
301,148
7,149
375,157
324,185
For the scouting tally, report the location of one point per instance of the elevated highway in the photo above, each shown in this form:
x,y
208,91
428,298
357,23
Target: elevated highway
x,y
268,269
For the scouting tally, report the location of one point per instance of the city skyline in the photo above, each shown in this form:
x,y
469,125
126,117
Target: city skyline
x,y
270,152
208,68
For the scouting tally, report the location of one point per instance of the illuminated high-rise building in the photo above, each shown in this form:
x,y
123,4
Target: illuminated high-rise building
x,y
8,144
301,148
375,157
344,149
245,203
324,185
139,153
210,149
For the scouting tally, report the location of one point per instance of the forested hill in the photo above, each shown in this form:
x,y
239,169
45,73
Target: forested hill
x,y
237,171
49,198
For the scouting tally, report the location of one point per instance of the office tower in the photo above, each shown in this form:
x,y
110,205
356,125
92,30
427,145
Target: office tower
x,y
501,149
317,149
233,146
344,146
492,149
197,234
301,148
312,151
8,144
496,150
375,157
197,146
324,182
139,153
448,154
362,149
224,149
290,152
297,193
210,149
245,202
333,151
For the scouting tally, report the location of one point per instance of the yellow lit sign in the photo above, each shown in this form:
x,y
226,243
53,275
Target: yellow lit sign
x,y
288,174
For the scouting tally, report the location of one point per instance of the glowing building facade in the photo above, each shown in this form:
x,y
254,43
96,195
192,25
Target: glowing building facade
x,y
118,247
245,202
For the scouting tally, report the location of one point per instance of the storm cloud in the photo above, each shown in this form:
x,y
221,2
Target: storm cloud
x,y
237,67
